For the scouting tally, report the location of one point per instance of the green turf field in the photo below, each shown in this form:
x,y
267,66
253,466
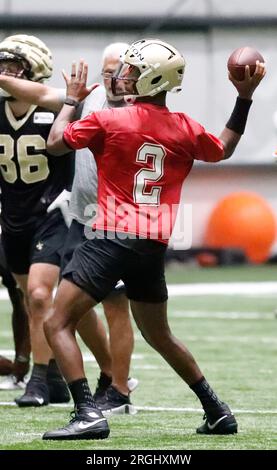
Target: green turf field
x,y
234,339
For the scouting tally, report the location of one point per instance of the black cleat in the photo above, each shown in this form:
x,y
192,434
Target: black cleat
x,y
36,394
86,423
223,423
103,383
58,391
115,402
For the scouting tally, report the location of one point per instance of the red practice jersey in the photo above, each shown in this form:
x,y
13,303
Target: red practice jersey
x,y
143,154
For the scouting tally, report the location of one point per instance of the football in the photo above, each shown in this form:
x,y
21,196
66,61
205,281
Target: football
x,y
240,58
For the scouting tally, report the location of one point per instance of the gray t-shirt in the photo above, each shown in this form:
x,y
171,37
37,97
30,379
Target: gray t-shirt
x,y
84,187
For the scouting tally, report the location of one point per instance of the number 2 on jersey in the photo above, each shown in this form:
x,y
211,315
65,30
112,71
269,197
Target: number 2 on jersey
x,y
149,175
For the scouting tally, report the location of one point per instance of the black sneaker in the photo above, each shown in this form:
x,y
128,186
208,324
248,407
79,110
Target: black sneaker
x,y
115,402
224,423
103,383
86,423
36,394
58,391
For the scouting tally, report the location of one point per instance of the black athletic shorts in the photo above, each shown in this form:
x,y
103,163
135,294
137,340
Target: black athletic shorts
x,y
7,278
44,244
98,264
76,237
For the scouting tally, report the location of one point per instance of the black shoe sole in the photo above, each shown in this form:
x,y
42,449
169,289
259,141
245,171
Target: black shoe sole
x,y
74,437
119,410
228,428
29,404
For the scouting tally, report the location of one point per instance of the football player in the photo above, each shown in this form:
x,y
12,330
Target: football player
x,y
143,154
114,385
31,179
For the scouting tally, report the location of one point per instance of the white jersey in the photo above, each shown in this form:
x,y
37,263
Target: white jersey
x,y
84,187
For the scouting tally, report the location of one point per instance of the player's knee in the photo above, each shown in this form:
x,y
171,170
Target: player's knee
x,y
158,340
50,326
55,324
39,297
148,336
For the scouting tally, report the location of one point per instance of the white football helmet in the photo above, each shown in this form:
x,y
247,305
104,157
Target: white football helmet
x,y
32,52
154,65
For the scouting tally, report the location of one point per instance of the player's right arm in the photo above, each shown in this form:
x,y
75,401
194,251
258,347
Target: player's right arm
x,y
234,129
209,148
32,92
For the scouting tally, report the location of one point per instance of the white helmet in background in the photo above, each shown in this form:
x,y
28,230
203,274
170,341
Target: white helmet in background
x,y
157,66
34,54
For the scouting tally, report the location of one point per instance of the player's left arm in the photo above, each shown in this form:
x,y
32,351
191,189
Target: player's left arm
x,y
231,134
76,91
55,142
32,92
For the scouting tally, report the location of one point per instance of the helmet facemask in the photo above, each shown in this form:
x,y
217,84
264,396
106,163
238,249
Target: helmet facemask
x,y
160,65
124,80
14,66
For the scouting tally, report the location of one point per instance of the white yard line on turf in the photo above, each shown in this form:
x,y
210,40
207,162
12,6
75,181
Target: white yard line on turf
x,y
160,408
223,288
87,357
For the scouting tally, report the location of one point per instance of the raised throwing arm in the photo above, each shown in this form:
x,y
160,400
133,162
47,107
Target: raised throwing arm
x,y
235,126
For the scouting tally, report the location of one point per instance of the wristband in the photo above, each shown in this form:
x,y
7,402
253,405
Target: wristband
x,y
238,118
71,102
